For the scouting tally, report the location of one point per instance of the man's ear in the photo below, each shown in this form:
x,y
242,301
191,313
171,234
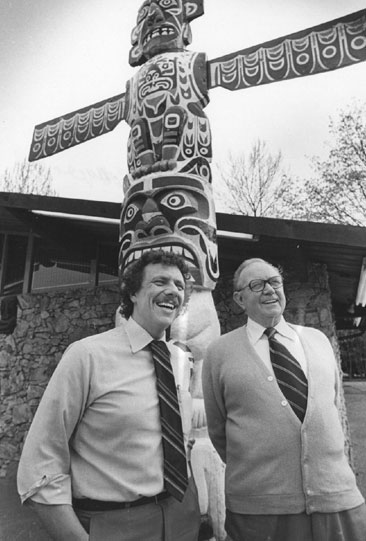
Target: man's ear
x,y
133,298
237,298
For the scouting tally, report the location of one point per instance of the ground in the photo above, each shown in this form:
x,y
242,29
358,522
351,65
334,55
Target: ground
x,y
19,524
355,393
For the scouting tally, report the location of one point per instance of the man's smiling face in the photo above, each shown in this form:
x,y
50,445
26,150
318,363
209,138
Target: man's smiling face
x,y
265,307
159,299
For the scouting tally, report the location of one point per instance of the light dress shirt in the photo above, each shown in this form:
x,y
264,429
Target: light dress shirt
x,y
287,336
96,433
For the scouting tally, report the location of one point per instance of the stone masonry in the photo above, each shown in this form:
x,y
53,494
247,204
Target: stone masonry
x,y
46,324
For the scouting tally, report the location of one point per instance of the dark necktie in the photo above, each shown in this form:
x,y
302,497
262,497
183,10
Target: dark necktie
x,y
175,465
290,377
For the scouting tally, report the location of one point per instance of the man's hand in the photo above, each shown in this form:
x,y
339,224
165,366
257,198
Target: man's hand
x,y
60,521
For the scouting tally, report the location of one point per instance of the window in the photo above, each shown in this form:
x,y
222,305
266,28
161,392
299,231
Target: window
x,y
56,267
107,264
2,242
14,264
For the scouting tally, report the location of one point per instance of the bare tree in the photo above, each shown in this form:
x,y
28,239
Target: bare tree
x,y
28,178
338,193
255,183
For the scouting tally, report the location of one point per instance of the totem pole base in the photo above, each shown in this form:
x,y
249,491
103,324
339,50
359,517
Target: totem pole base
x,y
208,470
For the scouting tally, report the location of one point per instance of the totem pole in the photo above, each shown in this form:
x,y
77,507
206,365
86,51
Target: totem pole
x,y
168,201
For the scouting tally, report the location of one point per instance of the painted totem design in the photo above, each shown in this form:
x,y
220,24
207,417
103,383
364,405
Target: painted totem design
x,y
168,198
174,212
333,45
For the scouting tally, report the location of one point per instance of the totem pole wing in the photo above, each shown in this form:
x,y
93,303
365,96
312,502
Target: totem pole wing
x,y
329,46
74,128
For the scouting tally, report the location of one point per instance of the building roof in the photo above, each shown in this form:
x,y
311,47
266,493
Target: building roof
x,y
341,247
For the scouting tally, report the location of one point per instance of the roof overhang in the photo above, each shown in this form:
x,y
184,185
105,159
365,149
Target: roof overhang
x,y
342,248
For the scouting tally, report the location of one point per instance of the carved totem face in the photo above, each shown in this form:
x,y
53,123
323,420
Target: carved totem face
x,y
161,27
173,213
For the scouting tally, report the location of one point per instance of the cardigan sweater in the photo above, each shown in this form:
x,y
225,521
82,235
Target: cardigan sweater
x,y
274,463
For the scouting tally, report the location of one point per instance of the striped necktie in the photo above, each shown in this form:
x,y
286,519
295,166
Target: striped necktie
x,y
175,464
290,376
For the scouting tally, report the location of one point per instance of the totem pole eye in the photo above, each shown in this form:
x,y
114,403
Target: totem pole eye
x,y
178,201
131,212
167,3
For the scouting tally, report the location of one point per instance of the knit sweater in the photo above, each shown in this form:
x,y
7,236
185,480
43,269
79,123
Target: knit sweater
x,y
275,464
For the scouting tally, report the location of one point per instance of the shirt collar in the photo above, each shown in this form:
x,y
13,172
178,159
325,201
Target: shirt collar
x,y
255,330
139,338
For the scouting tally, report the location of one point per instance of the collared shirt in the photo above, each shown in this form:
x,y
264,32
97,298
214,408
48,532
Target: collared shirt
x,y
285,335
96,433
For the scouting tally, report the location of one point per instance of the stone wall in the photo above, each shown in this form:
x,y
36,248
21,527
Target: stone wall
x,y
46,324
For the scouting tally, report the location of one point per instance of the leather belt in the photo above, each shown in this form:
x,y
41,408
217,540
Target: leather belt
x,y
87,504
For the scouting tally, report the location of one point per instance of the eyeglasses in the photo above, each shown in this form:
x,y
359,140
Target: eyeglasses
x,y
258,285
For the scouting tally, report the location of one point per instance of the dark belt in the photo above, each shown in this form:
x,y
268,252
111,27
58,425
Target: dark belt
x,y
99,505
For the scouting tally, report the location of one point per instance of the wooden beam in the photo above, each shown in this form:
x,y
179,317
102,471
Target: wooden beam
x,y
64,205
28,270
346,235
3,256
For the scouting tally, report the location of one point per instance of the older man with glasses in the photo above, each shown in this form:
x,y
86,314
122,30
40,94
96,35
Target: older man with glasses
x,y
271,391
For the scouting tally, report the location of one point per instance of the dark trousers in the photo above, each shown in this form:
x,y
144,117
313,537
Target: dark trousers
x,y
347,525
167,520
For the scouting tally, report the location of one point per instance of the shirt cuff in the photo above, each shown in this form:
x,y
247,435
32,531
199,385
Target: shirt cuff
x,y
50,490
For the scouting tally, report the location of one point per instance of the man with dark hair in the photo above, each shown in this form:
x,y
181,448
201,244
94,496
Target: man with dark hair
x,y
133,276
271,393
105,457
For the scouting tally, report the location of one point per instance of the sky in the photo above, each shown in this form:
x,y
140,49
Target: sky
x,y
57,57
